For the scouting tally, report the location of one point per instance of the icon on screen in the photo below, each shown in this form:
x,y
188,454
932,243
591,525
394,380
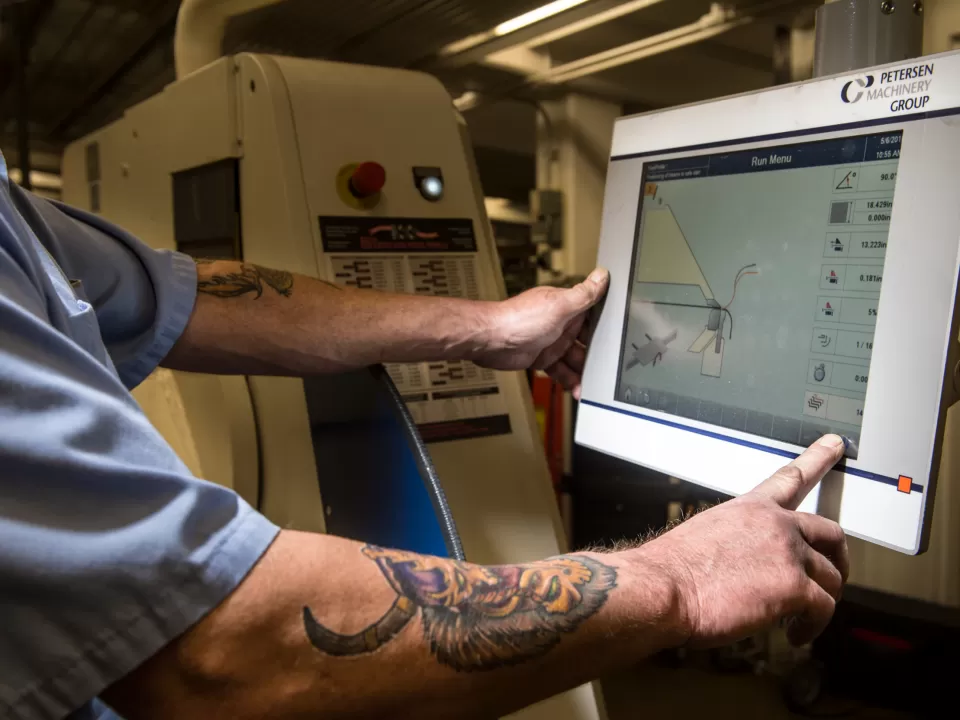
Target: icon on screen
x,y
815,402
841,212
847,182
825,340
837,245
828,310
832,278
820,372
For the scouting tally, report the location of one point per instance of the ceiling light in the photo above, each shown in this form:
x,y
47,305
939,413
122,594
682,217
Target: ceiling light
x,y
510,26
465,44
535,16
586,23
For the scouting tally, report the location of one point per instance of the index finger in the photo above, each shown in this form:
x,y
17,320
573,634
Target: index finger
x,y
792,483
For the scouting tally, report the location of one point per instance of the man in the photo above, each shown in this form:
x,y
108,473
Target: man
x,y
126,583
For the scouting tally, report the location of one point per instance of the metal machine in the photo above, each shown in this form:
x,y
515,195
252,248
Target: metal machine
x,y
254,157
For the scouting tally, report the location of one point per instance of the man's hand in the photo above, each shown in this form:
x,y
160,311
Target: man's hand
x,y
753,561
541,329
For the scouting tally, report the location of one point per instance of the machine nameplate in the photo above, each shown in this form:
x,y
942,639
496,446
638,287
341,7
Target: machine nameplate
x,y
396,235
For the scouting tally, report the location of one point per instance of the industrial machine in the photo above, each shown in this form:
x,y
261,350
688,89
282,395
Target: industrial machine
x,y
361,176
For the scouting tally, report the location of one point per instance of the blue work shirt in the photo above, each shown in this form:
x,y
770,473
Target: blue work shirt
x,y
109,547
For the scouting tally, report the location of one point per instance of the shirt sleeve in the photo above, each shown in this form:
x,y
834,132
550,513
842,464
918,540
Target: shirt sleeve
x,y
142,297
109,548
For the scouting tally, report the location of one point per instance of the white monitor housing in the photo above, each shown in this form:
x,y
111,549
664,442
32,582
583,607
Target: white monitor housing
x,y
784,264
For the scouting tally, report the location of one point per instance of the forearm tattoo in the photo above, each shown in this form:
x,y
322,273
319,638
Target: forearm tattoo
x,y
247,279
477,618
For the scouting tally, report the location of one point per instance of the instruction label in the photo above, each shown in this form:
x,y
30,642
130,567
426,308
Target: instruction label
x,y
448,400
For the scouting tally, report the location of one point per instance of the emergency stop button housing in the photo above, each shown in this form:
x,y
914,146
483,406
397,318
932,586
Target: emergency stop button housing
x,y
360,185
367,180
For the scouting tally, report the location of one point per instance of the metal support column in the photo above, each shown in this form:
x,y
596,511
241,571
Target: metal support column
x,y
782,55
854,34
24,40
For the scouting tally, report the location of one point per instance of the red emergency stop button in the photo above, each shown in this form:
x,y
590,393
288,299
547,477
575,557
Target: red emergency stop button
x,y
367,180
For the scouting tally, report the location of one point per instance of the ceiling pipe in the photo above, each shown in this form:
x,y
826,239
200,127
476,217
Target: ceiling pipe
x,y
201,26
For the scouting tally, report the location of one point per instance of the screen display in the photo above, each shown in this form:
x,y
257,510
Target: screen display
x,y
756,278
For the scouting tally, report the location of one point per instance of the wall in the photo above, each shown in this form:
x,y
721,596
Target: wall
x,y
507,125
503,133
573,156
941,26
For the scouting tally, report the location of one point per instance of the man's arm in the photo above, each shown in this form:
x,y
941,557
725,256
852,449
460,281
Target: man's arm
x,y
257,321
323,627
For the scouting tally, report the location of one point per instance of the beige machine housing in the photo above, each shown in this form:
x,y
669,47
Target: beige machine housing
x,y
292,125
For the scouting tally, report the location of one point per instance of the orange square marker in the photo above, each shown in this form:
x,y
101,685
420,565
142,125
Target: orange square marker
x,y
904,484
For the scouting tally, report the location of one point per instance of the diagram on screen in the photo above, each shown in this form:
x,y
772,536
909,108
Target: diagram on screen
x,y
652,351
666,259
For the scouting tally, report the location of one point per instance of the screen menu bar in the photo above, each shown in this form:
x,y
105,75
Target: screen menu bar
x,y
865,149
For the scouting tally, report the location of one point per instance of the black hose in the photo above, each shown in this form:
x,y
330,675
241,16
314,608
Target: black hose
x,y
428,472
259,441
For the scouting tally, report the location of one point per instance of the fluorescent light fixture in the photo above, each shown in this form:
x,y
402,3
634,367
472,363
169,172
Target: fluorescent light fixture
x,y
591,21
505,28
535,16
455,48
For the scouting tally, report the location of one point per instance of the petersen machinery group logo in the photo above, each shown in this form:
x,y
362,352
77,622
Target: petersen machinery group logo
x,y
905,88
855,89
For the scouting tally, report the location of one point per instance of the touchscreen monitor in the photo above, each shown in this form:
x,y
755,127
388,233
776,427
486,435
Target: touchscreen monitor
x,y
755,284
784,264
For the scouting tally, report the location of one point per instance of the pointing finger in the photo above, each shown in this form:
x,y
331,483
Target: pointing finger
x,y
791,484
